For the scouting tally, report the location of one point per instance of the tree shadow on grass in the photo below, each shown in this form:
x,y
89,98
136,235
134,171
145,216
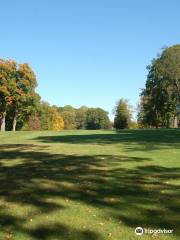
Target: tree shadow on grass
x,y
146,139
12,226
61,231
31,177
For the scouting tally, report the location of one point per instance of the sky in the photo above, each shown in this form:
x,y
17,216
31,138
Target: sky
x,y
88,52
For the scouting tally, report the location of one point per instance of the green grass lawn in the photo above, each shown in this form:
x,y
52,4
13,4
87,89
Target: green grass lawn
x,y
89,185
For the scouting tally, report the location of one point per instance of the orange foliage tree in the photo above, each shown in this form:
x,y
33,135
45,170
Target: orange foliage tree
x,y
7,86
17,91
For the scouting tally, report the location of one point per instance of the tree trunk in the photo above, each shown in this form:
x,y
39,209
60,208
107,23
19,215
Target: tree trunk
x,y
3,122
175,122
14,122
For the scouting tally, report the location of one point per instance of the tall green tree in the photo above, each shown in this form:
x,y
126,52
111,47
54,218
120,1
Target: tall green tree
x,y
160,100
168,68
25,98
123,114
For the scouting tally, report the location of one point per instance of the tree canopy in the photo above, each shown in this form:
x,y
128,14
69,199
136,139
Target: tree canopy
x,y
97,118
17,91
159,103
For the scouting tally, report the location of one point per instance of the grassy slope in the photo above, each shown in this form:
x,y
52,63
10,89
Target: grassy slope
x,y
89,185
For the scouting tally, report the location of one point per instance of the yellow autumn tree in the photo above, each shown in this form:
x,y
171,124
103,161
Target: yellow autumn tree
x,y
57,122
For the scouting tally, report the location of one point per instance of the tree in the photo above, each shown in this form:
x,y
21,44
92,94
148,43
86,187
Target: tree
x,y
80,117
123,114
69,114
50,117
159,106
25,99
33,123
46,118
97,118
57,122
169,72
17,92
7,86
43,115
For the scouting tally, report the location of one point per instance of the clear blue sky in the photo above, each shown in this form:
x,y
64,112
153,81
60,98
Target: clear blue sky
x,y
88,52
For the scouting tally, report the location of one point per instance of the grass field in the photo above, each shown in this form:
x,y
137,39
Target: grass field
x,y
89,185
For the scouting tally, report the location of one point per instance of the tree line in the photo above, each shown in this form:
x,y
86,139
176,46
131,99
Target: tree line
x,y
55,118
21,107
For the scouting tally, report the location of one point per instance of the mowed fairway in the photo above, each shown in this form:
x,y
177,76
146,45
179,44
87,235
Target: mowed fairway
x,y
89,185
